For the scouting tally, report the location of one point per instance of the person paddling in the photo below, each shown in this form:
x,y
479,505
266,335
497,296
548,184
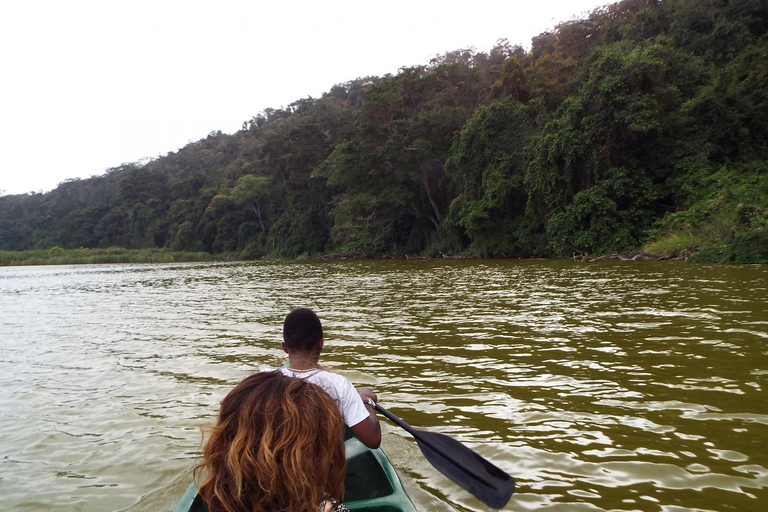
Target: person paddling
x,y
303,342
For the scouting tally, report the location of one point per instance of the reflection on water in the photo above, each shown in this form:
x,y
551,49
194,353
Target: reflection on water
x,y
608,386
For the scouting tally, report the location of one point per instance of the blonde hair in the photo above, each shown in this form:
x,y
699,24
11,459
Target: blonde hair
x,y
278,445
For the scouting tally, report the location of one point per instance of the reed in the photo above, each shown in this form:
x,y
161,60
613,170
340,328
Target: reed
x,y
82,256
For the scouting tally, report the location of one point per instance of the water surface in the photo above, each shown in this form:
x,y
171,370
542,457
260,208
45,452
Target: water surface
x,y
608,386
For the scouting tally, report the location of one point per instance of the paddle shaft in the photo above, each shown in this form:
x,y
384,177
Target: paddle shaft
x,y
394,419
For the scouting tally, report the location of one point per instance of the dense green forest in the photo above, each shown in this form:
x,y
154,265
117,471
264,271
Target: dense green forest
x,y
640,127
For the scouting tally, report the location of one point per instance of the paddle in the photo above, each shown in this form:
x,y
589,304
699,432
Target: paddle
x,y
482,479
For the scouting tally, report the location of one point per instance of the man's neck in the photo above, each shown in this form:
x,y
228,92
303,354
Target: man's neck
x,y
303,361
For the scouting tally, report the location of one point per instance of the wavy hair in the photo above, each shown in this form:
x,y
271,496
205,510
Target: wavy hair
x,y
278,445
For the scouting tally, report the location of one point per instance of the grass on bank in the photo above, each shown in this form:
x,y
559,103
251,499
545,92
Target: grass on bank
x,y
727,224
82,256
723,233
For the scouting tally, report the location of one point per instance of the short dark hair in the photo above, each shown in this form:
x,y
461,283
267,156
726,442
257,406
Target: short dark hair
x,y
302,330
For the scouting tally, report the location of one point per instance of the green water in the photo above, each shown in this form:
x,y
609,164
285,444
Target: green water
x,y
608,386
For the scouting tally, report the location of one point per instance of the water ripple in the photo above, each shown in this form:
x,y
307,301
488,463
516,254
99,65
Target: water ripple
x,y
599,387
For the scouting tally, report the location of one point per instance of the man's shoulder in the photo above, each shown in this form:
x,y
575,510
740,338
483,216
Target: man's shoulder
x,y
326,379
333,377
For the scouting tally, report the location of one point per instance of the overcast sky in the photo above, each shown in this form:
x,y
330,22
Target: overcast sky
x,y
89,85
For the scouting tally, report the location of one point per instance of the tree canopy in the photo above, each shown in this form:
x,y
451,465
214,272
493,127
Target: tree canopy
x,y
641,126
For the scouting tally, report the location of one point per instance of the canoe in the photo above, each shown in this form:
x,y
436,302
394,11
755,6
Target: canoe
x,y
371,483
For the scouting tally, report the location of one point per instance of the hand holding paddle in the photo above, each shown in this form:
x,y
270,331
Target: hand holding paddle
x,y
486,482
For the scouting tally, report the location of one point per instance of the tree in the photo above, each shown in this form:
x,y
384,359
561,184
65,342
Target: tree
x,y
252,192
79,228
393,193
621,128
488,162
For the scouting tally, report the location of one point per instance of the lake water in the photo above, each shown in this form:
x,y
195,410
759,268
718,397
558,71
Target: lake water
x,y
603,386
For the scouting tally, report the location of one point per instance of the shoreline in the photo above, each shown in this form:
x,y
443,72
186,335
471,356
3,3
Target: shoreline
x,y
112,255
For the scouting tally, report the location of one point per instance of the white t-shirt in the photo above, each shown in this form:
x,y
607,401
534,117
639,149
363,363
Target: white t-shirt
x,y
339,388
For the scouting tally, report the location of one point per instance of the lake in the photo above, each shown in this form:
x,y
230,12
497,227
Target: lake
x,y
598,386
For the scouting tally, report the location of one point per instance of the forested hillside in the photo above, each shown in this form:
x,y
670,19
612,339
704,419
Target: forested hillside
x,y
642,127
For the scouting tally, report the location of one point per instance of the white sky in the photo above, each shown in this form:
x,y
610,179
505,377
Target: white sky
x,y
89,85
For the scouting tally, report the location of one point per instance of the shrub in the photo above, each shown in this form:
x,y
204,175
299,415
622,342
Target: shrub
x,y
253,251
748,247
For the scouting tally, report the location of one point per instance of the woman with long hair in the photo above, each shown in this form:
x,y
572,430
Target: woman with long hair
x,y
278,445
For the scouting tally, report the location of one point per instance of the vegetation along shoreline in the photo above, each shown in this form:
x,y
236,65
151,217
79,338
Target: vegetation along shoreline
x,y
117,255
641,128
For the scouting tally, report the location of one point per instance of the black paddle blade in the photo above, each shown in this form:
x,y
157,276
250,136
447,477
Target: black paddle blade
x,y
483,480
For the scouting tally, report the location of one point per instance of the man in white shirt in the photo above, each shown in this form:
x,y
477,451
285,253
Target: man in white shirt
x,y
303,342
